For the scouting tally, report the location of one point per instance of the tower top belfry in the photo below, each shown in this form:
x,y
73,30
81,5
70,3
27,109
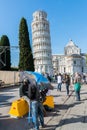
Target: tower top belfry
x,y
39,15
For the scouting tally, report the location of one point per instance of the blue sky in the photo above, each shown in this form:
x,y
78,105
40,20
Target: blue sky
x,y
68,20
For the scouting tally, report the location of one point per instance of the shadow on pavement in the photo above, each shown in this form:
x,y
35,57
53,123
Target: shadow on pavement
x,y
76,119
7,123
3,104
52,113
13,124
65,106
49,127
56,95
4,100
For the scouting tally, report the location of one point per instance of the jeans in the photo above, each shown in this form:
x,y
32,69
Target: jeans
x,y
41,113
77,95
67,89
36,114
59,86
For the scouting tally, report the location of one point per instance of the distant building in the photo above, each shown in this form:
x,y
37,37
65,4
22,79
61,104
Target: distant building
x,y
41,43
72,61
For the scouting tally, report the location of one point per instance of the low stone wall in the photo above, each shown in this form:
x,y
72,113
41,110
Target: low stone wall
x,y
9,77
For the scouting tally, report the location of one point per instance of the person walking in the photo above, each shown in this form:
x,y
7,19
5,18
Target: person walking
x,y
77,85
59,81
67,83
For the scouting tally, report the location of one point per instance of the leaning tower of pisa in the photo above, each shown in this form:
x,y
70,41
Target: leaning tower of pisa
x,y
41,43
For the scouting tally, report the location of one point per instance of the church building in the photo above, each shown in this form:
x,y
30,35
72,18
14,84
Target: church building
x,y
72,61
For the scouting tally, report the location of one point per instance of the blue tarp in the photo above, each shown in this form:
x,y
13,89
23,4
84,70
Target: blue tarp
x,y
38,77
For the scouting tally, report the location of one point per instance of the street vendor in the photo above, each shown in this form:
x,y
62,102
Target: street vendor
x,y
36,108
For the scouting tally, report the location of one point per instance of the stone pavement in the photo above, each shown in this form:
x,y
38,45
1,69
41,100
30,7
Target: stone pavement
x,y
68,113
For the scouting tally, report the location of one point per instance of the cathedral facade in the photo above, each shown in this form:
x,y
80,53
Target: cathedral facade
x,y
72,61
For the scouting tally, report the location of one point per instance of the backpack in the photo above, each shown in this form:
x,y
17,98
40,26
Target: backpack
x,y
32,90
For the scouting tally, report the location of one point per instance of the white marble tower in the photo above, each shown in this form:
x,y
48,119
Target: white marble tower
x,y
41,43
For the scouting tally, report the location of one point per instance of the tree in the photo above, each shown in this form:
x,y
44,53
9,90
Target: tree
x,y
26,61
5,58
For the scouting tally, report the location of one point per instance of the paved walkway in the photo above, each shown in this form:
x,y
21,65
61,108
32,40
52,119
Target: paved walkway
x,y
69,114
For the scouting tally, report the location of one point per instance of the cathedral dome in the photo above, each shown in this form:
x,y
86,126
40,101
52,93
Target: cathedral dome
x,y
71,48
70,43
